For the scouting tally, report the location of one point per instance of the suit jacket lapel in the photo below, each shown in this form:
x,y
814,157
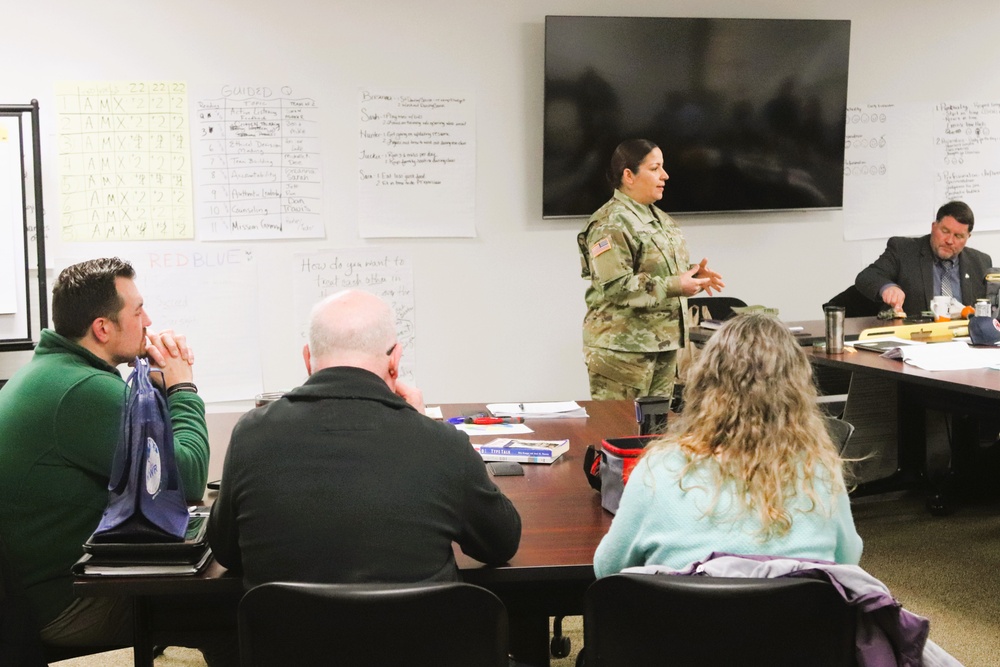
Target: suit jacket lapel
x,y
926,273
965,273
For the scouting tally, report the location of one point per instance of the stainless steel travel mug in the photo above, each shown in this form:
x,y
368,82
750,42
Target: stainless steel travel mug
x,y
834,329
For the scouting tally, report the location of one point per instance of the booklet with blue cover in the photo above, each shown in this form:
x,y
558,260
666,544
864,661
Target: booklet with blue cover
x,y
522,451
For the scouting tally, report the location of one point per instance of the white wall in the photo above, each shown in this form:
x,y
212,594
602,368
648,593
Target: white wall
x,y
476,342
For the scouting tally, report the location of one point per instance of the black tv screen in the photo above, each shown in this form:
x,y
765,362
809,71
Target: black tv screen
x,y
749,113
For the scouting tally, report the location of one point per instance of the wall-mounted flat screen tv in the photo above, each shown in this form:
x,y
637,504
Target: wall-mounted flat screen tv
x,y
749,113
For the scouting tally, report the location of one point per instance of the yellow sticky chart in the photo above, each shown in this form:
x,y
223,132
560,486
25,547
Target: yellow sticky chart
x,y
124,161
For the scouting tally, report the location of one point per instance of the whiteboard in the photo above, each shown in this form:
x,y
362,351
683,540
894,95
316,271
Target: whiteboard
x,y
201,292
14,317
498,315
11,216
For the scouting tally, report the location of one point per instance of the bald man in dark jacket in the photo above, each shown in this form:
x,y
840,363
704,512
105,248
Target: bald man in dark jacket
x,y
345,480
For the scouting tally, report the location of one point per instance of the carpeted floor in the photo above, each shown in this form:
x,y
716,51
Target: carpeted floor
x,y
172,657
944,568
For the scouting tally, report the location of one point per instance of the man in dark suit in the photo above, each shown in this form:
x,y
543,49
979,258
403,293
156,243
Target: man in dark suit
x,y
911,271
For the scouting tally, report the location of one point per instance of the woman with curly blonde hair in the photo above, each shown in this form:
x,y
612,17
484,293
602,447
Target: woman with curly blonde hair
x,y
747,468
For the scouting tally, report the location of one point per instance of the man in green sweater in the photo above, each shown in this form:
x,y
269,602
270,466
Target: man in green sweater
x,y
60,417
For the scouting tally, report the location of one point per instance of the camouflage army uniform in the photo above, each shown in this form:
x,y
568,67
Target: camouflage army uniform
x,y
633,256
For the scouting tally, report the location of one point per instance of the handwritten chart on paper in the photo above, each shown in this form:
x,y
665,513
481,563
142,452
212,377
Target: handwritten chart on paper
x,y
11,220
382,272
416,165
904,161
967,157
259,170
207,294
885,162
124,161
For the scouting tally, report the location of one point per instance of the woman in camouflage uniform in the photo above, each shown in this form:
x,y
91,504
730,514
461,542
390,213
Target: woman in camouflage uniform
x,y
640,277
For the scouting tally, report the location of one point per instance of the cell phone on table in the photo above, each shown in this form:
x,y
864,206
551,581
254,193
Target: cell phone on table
x,y
504,468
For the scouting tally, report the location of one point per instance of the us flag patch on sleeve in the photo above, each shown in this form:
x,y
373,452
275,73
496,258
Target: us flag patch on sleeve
x,y
601,246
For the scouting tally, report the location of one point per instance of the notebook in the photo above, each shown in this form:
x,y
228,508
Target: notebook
x,y
188,551
90,565
883,345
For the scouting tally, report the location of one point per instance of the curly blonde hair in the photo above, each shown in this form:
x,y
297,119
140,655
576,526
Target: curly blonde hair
x,y
751,419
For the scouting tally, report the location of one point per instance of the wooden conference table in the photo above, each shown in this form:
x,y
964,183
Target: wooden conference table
x,y
925,405
562,524
972,385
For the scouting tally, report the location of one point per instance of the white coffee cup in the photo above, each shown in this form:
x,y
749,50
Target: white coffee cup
x,y
940,306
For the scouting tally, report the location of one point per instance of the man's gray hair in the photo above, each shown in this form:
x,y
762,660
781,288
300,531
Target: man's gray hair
x,y
370,334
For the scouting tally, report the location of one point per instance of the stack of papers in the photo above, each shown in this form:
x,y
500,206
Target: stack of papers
x,y
550,410
954,356
90,565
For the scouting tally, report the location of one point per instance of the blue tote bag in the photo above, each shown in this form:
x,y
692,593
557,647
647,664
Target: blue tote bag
x,y
147,496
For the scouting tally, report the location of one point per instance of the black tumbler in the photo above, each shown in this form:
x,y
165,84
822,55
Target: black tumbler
x,y
651,412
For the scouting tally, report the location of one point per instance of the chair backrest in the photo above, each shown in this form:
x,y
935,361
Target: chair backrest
x,y
362,625
636,620
856,304
840,432
992,288
717,307
20,643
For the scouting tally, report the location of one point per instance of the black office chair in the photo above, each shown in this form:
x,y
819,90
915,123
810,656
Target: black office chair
x,y
856,304
20,643
699,309
840,432
635,620
372,625
19,640
717,307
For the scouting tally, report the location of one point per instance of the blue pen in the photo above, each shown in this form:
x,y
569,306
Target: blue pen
x,y
456,420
